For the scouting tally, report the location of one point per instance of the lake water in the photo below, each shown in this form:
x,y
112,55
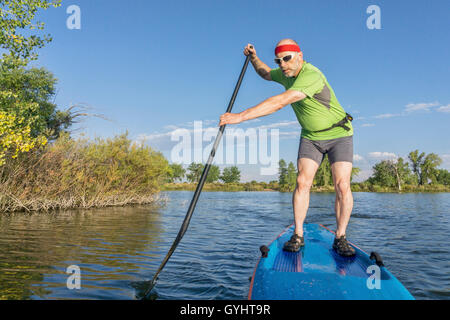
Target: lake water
x,y
117,249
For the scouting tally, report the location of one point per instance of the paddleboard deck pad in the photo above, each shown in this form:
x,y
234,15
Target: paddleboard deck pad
x,y
317,272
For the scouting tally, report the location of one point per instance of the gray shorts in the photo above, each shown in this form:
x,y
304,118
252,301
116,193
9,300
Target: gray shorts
x,y
340,149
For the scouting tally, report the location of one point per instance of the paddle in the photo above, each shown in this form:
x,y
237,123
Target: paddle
x,y
199,188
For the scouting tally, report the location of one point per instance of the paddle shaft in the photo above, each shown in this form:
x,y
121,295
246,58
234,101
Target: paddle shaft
x,y
199,188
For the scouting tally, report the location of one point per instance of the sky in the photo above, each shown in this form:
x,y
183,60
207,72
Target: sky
x,y
153,68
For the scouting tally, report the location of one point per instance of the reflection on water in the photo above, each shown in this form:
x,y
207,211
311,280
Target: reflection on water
x,y
111,246
118,249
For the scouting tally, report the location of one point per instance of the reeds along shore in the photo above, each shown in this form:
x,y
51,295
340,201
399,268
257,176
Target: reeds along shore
x,y
70,174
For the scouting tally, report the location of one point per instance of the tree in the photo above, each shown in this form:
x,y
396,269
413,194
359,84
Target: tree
x,y
27,93
231,175
29,118
355,172
25,96
15,137
323,175
17,27
282,172
400,171
443,177
291,176
195,172
213,174
424,166
382,174
416,160
32,88
177,172
390,173
429,168
16,130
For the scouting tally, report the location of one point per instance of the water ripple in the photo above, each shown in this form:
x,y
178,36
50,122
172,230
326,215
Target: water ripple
x,y
119,249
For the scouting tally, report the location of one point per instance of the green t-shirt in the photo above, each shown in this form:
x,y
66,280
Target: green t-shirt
x,y
320,109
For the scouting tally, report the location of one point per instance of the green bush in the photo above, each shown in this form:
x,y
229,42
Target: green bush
x,y
82,174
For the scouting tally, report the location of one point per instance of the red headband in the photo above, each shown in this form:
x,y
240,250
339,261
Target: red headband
x,y
287,47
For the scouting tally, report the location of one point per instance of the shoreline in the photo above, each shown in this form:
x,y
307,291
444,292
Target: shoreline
x,y
262,187
52,205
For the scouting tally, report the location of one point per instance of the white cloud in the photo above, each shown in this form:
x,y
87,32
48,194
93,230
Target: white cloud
x,y
289,134
387,115
208,122
382,155
163,141
410,108
253,120
159,138
445,109
284,123
421,106
153,136
171,127
367,125
357,157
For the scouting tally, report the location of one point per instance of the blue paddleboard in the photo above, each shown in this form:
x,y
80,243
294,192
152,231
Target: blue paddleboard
x,y
318,272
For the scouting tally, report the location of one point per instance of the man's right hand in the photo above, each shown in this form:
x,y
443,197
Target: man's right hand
x,y
250,50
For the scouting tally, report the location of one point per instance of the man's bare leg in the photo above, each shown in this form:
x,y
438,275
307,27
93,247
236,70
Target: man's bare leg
x,y
344,200
337,207
300,199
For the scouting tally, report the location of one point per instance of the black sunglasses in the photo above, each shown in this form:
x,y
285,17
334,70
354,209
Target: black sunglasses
x,y
285,59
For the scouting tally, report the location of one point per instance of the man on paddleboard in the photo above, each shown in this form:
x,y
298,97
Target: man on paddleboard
x,y
326,129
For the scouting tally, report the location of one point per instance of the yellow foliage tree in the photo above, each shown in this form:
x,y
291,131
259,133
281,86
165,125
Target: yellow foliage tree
x,y
15,132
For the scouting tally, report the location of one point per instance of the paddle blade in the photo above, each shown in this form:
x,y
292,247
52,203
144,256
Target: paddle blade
x,y
145,290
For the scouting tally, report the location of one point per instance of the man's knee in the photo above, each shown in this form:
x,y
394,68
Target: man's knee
x,y
303,183
342,187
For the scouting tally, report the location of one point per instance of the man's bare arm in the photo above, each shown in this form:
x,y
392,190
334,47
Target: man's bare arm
x,y
265,108
261,68
272,104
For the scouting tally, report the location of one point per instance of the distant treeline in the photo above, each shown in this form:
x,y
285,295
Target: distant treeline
x,y
420,173
194,172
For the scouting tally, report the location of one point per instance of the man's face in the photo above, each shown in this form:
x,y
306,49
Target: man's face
x,y
291,67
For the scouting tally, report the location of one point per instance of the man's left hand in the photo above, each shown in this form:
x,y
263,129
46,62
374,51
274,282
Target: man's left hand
x,y
230,118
